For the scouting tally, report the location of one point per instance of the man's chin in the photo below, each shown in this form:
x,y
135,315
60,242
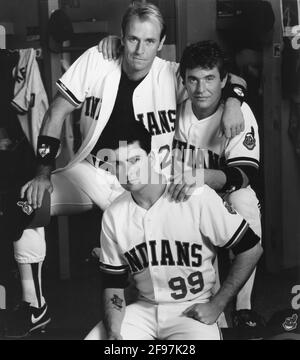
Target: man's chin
x,y
133,187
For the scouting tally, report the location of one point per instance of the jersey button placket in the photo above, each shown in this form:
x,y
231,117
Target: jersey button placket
x,y
153,270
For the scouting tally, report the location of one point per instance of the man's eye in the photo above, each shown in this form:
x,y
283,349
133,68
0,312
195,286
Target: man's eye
x,y
133,40
210,78
192,81
150,41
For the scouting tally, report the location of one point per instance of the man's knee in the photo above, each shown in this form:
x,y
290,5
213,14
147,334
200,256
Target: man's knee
x,y
31,247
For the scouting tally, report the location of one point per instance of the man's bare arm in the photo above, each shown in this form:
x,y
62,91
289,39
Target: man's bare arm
x,y
53,121
241,269
114,312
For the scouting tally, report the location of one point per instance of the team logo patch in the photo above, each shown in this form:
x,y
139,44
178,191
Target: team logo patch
x,y
290,323
26,208
229,208
44,150
250,140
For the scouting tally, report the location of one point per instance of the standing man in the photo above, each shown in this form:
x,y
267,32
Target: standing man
x,y
229,166
140,84
168,248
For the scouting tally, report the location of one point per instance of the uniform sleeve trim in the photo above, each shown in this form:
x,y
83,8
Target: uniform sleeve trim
x,y
109,269
243,161
238,235
67,93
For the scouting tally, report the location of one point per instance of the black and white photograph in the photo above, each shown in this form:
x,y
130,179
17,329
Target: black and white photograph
x,y
149,172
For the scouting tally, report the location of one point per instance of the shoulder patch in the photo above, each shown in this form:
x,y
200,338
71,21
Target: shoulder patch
x,y
229,208
250,141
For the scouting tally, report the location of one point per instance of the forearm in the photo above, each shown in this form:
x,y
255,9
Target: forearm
x,y
241,269
216,179
55,116
114,310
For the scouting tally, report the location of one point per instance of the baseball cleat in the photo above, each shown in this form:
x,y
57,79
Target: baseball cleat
x,y
26,319
249,324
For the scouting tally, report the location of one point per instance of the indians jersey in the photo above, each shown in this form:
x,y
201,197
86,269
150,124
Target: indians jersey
x,y
203,148
169,249
92,83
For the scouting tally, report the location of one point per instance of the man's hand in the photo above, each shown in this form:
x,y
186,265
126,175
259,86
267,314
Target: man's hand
x,y
35,190
183,185
110,47
114,336
207,313
233,122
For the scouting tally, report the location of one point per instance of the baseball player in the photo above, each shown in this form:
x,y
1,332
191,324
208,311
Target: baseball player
x,y
168,248
229,166
139,83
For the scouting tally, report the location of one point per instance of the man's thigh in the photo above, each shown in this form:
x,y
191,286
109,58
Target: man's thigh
x,y
139,324
81,188
174,326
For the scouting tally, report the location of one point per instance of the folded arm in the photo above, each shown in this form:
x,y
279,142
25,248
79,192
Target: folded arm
x,y
48,145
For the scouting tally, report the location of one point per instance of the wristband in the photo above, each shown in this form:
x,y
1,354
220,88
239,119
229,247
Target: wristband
x,y
234,179
47,150
235,91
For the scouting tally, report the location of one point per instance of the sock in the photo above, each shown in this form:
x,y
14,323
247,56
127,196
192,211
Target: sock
x,y
31,281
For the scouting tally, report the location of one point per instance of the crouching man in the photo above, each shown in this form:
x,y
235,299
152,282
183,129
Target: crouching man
x,y
168,248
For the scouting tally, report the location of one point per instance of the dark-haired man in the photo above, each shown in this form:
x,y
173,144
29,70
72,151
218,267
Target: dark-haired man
x,y
168,248
229,166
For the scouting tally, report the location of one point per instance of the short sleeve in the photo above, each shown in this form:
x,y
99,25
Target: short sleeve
x,y
243,149
78,79
111,258
219,222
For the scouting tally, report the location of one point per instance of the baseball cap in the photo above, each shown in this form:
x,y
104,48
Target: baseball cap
x,y
284,325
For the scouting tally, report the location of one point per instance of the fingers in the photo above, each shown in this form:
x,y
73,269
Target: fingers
x,y
29,194
221,133
228,133
109,50
34,196
175,194
100,46
109,47
242,127
24,189
40,196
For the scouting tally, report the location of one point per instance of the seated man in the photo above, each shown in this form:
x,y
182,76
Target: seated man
x,y
229,166
168,248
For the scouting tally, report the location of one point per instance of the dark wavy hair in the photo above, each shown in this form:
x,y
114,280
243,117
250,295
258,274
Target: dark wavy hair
x,y
204,54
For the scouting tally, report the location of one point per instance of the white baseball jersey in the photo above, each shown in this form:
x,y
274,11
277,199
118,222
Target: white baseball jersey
x,y
169,248
207,149
92,82
30,98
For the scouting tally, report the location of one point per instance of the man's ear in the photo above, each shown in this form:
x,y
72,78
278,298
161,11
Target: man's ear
x,y
224,81
161,43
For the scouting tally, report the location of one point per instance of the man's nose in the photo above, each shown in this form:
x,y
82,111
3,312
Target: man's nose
x,y
201,86
140,48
